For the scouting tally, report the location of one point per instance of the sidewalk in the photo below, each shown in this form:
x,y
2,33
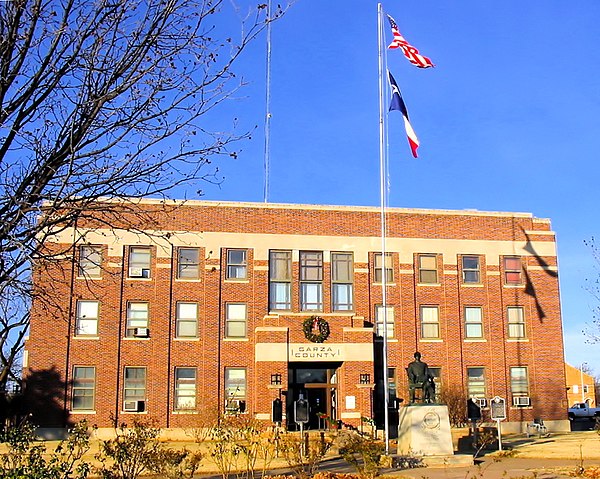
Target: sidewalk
x,y
560,455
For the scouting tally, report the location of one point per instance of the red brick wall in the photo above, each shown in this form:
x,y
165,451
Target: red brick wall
x,y
52,345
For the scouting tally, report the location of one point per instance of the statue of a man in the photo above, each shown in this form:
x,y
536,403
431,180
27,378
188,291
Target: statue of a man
x,y
419,377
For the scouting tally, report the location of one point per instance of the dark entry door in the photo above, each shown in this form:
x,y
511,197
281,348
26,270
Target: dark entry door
x,y
318,403
317,383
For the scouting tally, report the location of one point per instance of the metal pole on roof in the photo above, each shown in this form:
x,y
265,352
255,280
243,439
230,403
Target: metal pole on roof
x,y
267,159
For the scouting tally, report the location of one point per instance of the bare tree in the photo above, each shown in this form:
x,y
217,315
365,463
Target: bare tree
x,y
103,99
592,331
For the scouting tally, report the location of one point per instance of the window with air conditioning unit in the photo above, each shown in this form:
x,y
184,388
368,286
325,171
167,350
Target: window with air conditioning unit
x,y
235,406
521,401
139,262
135,272
141,332
134,406
137,319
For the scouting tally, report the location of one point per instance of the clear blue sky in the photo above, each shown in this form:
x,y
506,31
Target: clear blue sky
x,y
508,119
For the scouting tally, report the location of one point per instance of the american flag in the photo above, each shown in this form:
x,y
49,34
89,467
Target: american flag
x,y
409,51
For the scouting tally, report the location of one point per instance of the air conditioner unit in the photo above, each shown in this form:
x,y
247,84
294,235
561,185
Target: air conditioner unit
x,y
232,405
141,332
134,406
521,401
481,402
136,272
235,406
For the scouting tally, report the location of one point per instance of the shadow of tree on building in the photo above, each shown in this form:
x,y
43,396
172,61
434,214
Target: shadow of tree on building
x,y
44,398
529,286
12,409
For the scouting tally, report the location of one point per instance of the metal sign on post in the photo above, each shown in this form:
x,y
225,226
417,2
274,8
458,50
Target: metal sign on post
x,y
498,414
301,413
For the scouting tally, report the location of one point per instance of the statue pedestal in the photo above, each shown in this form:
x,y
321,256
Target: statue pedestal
x,y
424,430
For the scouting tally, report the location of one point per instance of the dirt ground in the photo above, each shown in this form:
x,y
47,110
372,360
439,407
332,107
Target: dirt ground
x,y
559,455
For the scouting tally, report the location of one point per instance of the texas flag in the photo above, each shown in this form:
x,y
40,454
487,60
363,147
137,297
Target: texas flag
x,y
397,103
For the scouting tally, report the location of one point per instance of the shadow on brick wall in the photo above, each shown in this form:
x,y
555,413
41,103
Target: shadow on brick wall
x,y
43,398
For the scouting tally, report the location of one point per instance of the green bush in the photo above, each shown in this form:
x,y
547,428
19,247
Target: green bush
x,y
28,458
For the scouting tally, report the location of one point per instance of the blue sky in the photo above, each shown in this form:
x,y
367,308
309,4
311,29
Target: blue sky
x,y
508,119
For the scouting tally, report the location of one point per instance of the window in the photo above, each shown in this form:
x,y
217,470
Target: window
x,y
235,321
134,388
519,385
470,269
388,320
389,270
473,322
137,320
512,270
516,322
311,280
235,390
139,262
237,266
84,388
87,318
90,261
476,382
428,268
342,269
280,280
430,322
187,320
185,389
188,263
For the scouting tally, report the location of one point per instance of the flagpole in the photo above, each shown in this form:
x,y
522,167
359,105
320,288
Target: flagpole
x,y
383,198
267,159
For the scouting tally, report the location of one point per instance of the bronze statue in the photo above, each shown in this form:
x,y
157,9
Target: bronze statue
x,y
419,377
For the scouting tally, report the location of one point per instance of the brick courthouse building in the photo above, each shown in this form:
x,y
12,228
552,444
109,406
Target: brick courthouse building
x,y
164,309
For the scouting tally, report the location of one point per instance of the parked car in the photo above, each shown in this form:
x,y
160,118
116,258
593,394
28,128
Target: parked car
x,y
583,410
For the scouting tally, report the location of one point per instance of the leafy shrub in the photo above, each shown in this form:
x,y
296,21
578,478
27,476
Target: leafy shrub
x,y
27,459
362,453
137,450
238,442
303,455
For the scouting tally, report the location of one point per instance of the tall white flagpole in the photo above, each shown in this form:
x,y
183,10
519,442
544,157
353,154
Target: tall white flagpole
x,y
383,194
268,109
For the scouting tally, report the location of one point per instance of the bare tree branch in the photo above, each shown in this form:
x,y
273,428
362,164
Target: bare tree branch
x,y
105,99
592,330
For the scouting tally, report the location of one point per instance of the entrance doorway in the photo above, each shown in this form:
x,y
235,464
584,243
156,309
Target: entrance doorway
x,y
317,383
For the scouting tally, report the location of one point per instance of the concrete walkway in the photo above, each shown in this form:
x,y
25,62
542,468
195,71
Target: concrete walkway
x,y
498,468
559,455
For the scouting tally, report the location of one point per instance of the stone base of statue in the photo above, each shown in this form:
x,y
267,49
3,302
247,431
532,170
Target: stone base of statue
x,y
424,430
